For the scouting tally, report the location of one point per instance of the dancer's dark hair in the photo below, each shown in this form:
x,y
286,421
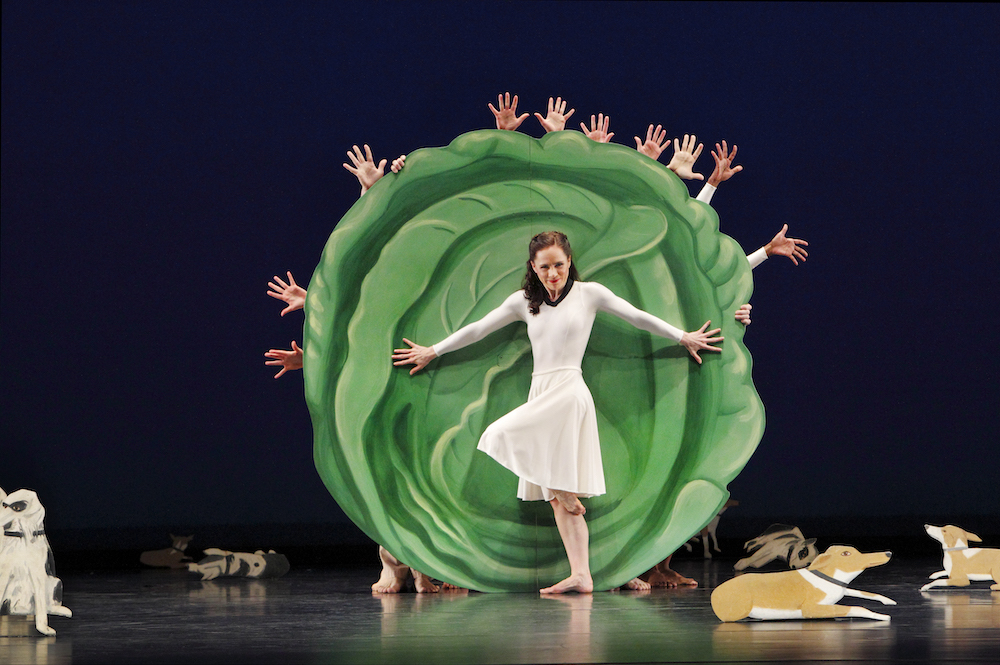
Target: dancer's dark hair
x,y
534,290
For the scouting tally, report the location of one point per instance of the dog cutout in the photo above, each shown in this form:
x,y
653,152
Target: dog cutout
x,y
809,593
708,533
28,585
223,563
779,541
963,564
171,557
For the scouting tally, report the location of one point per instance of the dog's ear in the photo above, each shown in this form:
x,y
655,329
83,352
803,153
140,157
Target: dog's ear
x,y
821,560
973,538
811,541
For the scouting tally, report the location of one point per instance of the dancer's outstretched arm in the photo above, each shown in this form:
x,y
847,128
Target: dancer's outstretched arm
x,y
701,340
364,167
654,144
506,116
695,341
598,128
288,360
685,155
780,246
511,310
293,294
555,119
724,170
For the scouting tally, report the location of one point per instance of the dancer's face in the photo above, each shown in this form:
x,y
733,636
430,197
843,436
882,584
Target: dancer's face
x,y
552,267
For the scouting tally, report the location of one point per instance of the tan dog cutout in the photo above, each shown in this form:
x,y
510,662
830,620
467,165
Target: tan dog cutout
x,y
809,593
963,564
171,557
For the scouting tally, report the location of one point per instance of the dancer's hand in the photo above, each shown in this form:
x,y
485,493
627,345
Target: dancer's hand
x,y
415,355
789,247
724,169
398,164
653,145
291,293
287,359
506,115
700,340
743,314
598,128
555,119
364,167
685,155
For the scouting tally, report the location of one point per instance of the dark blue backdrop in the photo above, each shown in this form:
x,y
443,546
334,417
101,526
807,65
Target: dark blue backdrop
x,y
162,160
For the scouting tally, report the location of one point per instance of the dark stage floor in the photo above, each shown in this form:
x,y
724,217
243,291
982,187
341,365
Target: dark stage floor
x,y
330,616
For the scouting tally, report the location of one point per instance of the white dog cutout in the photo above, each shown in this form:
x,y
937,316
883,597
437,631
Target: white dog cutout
x,y
962,563
28,584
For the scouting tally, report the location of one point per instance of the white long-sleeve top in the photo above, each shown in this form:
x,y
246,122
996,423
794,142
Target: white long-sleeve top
x,y
705,196
559,334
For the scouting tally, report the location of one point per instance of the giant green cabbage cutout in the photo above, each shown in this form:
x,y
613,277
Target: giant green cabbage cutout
x,y
444,242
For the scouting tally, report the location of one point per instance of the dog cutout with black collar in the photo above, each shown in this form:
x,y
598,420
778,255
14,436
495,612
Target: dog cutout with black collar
x,y
809,593
28,583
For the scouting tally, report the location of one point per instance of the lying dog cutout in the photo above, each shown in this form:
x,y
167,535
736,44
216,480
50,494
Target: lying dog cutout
x,y
709,532
810,593
963,564
171,557
28,585
779,541
223,563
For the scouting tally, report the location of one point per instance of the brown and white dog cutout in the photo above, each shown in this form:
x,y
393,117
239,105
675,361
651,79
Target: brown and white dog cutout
x,y
808,593
963,564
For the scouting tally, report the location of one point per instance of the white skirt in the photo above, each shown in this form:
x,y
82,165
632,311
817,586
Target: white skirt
x,y
550,442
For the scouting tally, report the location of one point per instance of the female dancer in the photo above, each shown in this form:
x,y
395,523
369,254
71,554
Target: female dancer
x,y
551,442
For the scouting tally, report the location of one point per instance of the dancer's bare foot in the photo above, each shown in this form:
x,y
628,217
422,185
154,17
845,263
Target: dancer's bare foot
x,y
638,585
445,586
573,583
393,575
663,577
388,583
570,502
423,583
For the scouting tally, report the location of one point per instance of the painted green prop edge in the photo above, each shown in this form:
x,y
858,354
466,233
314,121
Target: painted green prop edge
x,y
442,243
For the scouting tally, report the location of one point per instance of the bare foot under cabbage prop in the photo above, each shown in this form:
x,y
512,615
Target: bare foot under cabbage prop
x,y
28,585
443,242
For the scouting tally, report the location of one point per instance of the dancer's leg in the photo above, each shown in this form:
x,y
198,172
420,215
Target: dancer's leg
x,y
570,502
576,540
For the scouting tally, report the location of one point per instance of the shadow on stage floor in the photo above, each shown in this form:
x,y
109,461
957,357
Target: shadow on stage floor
x,y
328,615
